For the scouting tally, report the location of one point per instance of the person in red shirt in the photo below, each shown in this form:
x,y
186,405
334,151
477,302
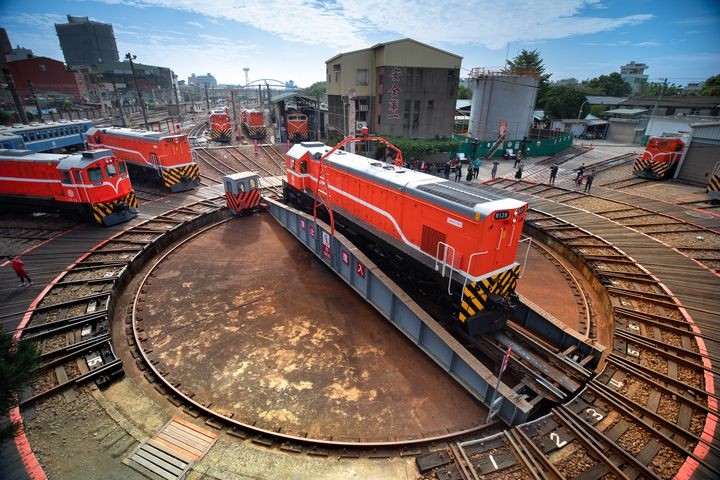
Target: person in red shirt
x,y
17,265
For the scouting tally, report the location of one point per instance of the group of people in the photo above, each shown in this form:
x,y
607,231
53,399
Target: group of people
x,y
473,170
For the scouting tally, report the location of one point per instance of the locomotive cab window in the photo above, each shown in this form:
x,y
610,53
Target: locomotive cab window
x,y
303,166
122,167
78,176
241,187
66,177
253,184
110,170
95,175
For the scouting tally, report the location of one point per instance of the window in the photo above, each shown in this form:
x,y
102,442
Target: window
x,y
66,177
110,170
379,118
694,111
78,176
228,186
253,184
409,72
416,113
43,68
380,99
451,73
419,74
380,79
95,175
362,76
431,103
241,187
122,167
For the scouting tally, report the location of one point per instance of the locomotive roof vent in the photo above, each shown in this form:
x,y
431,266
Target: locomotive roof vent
x,y
95,154
375,164
312,144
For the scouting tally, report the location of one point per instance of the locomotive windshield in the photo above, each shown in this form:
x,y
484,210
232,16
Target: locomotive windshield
x,y
111,170
95,174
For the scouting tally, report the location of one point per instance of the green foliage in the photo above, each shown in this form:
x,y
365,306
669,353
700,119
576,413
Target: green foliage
x,y
711,87
530,62
17,362
68,104
564,101
317,88
421,147
598,110
655,89
464,93
612,85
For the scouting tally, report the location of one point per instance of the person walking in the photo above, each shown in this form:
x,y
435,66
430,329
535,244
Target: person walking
x,y
518,174
476,167
493,172
469,176
589,180
581,170
553,173
458,172
447,171
18,266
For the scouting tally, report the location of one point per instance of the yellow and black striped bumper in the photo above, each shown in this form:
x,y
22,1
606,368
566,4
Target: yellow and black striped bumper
x,y
115,211
257,132
485,305
649,169
221,135
182,178
713,187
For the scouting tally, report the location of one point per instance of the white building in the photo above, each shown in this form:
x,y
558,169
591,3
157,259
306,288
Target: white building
x,y
633,74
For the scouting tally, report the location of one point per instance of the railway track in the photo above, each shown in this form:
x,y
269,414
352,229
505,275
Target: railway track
x,y
20,231
696,241
643,415
71,321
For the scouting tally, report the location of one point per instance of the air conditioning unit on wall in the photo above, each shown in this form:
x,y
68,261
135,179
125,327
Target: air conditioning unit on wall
x,y
359,125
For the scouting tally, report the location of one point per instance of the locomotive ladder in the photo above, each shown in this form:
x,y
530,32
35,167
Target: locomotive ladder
x,y
495,147
322,193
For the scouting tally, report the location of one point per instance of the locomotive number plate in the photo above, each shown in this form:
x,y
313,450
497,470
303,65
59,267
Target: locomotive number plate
x,y
502,215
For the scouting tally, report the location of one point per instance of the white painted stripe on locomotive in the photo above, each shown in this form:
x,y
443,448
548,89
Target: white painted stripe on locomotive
x,y
399,230
75,185
148,163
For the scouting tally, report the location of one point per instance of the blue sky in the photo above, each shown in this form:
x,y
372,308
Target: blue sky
x,y
290,40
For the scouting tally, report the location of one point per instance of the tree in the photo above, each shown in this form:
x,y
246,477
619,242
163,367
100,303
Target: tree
x,y
654,89
564,101
612,85
317,88
711,87
17,363
464,93
530,63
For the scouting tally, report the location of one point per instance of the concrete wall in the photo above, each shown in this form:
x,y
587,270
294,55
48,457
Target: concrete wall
x,y
499,98
623,131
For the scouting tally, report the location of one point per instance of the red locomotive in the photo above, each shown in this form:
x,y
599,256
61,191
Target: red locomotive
x,y
168,156
253,123
455,240
220,127
93,183
660,158
296,124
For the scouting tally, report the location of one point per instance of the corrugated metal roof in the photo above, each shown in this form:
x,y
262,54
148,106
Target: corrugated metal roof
x,y
604,100
627,111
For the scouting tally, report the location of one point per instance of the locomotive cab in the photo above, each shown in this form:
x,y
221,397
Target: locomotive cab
x,y
242,192
94,176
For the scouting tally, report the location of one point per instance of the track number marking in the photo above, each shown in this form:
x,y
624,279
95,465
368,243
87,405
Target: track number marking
x,y
594,413
556,438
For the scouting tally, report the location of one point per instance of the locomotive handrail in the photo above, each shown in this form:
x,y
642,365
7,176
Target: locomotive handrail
x,y
462,292
452,265
527,251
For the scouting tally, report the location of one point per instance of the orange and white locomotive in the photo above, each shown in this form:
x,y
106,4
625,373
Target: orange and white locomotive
x,y
167,155
93,183
296,124
253,123
460,237
220,127
660,158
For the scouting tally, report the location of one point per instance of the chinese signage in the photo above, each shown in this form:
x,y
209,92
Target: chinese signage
x,y
394,102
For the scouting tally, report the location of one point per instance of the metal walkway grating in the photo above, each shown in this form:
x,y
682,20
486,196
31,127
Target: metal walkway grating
x,y
171,452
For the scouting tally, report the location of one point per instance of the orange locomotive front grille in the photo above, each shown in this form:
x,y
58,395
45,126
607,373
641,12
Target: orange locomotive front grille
x,y
243,200
172,176
101,210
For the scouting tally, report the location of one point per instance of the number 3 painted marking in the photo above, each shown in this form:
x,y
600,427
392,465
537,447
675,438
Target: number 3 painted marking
x,y
594,414
554,436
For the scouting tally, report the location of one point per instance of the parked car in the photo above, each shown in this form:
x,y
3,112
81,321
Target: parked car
x,y
509,154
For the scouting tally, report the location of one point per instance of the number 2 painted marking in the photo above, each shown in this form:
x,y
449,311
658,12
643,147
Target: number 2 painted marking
x,y
556,438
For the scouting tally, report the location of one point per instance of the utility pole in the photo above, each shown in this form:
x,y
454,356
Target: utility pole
x,y
137,87
232,99
662,89
176,87
13,91
35,99
207,98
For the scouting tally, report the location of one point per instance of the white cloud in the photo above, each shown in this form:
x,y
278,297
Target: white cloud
x,y
196,24
348,24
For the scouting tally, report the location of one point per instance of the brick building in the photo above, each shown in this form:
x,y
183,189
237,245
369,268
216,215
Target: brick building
x,y
49,78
